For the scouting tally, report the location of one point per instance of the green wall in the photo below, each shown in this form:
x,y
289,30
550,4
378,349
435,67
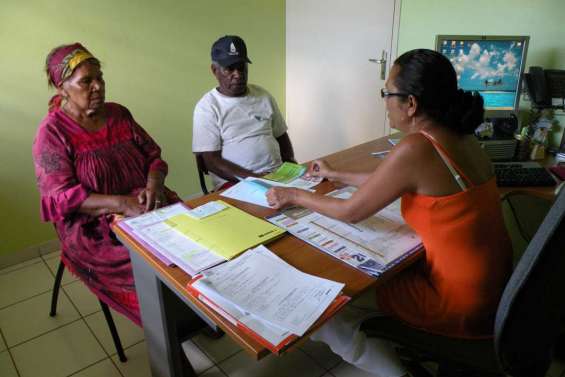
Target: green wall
x,y
542,20
155,56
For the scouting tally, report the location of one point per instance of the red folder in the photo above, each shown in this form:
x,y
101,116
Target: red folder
x,y
334,307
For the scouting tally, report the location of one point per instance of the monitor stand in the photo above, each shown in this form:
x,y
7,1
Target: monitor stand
x,y
501,146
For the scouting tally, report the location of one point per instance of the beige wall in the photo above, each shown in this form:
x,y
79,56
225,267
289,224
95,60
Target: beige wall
x,y
155,57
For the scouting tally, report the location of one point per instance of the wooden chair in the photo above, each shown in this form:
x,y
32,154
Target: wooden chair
x,y
105,310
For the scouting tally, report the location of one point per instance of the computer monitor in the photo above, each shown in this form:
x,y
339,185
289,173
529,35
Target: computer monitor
x,y
490,65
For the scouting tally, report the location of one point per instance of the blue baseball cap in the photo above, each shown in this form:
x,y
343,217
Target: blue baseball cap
x,y
228,50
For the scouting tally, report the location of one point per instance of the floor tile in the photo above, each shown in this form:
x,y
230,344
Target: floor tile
x,y
86,302
217,349
105,368
30,318
321,353
7,368
199,361
214,372
129,333
20,265
24,283
295,364
137,364
54,254
347,370
53,265
58,353
2,342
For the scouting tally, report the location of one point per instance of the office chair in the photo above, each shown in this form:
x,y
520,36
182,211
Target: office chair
x,y
105,310
528,210
528,319
201,165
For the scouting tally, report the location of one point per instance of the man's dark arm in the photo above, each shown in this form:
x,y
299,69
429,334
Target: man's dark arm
x,y
224,168
287,153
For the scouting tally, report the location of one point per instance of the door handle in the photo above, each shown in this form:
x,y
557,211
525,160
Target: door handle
x,y
382,62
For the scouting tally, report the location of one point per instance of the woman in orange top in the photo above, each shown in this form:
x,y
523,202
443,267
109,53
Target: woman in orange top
x,y
449,197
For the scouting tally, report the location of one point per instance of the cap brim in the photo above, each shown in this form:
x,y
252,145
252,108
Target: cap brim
x,y
233,60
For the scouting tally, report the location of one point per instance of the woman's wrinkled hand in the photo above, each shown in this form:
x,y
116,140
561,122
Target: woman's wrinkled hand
x,y
319,168
280,197
153,196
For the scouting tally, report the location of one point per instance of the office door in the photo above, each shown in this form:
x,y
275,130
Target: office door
x,y
332,88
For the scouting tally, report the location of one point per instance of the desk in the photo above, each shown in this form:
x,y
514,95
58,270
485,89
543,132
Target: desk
x,y
161,289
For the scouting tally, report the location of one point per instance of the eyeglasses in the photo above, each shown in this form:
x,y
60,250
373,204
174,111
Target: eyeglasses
x,y
385,93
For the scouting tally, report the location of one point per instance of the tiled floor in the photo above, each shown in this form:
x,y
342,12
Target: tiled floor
x,y
77,343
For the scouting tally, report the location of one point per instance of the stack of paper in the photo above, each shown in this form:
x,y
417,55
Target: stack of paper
x,y
293,175
227,232
166,243
273,301
372,245
253,190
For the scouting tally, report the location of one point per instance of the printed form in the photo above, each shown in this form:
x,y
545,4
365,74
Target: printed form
x,y
262,284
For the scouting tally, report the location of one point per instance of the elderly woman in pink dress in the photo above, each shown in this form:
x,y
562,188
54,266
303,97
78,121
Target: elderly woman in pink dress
x,y
92,160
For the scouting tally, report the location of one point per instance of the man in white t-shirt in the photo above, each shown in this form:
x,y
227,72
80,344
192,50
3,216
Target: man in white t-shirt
x,y
238,128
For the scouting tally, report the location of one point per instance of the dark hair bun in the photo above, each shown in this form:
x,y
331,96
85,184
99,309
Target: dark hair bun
x,y
431,78
465,112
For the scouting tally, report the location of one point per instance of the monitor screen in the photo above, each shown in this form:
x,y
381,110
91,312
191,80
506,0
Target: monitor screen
x,y
492,66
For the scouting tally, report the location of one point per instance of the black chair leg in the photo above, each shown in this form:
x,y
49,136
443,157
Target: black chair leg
x,y
56,286
114,332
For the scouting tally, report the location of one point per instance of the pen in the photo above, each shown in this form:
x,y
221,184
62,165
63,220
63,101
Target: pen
x,y
379,154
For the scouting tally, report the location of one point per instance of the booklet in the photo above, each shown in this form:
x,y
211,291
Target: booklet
x,y
372,246
293,175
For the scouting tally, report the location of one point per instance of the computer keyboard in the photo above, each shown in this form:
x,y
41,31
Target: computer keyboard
x,y
522,174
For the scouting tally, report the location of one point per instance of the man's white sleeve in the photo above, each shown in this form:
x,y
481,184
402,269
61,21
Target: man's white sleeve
x,y
206,135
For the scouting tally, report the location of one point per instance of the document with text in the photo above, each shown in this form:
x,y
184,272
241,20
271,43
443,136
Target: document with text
x,y
372,245
260,283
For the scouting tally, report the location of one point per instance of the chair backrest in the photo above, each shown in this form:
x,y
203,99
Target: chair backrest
x,y
201,165
532,307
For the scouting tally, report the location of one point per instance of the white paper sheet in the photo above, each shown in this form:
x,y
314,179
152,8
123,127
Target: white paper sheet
x,y
262,284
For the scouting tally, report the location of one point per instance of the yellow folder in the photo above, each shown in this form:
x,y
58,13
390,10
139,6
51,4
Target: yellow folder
x,y
228,232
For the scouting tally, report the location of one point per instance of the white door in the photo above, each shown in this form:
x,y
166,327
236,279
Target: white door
x,y
332,89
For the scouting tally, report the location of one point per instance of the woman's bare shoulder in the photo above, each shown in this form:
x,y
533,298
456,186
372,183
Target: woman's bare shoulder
x,y
414,146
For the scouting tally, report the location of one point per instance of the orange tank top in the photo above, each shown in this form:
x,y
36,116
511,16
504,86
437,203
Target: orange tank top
x,y
468,260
